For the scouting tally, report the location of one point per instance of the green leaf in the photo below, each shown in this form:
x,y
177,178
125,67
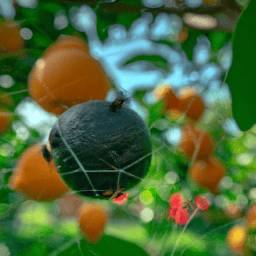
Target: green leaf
x,y
3,209
218,39
190,43
108,246
157,61
36,248
156,112
140,94
241,77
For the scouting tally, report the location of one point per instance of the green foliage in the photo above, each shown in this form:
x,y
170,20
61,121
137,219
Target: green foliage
x,y
241,76
108,246
38,230
157,61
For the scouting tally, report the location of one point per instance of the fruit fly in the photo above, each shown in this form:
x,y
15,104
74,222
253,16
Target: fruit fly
x,y
117,104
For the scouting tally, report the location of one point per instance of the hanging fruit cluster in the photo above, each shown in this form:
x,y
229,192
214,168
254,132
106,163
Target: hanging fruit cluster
x,y
196,144
67,75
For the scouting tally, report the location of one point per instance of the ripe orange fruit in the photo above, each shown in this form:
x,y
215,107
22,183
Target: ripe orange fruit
x,y
67,77
36,178
165,93
5,120
69,205
192,103
250,217
207,173
67,42
233,210
192,138
10,39
236,238
92,220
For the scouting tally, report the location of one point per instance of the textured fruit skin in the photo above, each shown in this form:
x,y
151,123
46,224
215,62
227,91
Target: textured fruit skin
x,y
35,178
101,140
92,221
5,121
208,173
192,103
66,77
191,137
236,239
10,39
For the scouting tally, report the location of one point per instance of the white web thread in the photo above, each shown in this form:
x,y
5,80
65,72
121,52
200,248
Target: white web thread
x,y
210,232
117,170
89,171
157,181
77,160
124,172
120,171
127,173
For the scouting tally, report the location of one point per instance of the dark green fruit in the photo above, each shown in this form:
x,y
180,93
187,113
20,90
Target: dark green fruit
x,y
99,147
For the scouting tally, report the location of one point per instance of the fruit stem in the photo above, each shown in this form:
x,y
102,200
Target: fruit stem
x,y
180,236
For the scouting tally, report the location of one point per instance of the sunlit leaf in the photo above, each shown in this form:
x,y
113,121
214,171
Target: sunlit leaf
x,y
241,76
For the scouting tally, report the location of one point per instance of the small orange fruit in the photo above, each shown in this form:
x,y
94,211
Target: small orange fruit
x,y
192,138
35,178
69,205
67,42
5,121
233,210
165,93
10,39
92,221
236,238
207,173
250,217
67,77
191,103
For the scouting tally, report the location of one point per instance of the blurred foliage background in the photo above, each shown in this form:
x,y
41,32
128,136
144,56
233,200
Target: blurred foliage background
x,y
141,45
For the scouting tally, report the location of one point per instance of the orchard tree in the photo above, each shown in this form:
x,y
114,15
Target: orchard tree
x,y
127,127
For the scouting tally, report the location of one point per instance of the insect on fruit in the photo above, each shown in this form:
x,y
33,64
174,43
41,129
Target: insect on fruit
x,y
101,147
117,104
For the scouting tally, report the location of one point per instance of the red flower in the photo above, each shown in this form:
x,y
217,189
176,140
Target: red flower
x,y
202,202
176,200
177,212
121,199
181,216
